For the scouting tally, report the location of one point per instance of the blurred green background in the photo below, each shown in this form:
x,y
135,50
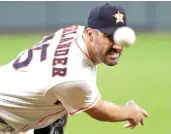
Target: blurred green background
x,y
143,74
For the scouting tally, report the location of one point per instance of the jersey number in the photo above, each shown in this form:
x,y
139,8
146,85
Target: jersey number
x,y
40,46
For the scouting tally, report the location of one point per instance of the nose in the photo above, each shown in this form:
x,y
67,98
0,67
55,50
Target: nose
x,y
118,48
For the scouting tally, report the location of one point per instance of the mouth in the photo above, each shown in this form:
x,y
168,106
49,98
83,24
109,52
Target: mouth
x,y
112,57
113,54
113,51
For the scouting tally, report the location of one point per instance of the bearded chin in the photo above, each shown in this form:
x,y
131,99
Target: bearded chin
x,y
114,63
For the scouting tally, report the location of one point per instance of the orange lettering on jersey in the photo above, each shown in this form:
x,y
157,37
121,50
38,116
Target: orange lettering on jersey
x,y
62,50
59,71
65,40
70,28
64,45
64,35
62,61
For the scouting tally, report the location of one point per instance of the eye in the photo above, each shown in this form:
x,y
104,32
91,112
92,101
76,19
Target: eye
x,y
110,37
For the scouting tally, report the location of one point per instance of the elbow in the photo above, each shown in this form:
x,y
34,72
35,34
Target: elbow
x,y
100,116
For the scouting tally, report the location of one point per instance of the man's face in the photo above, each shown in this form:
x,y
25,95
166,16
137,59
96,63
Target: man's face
x,y
105,48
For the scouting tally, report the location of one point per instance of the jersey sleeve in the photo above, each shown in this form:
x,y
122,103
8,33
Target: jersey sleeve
x,y
77,96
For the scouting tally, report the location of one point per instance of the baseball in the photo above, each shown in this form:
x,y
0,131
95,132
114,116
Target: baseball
x,y
124,36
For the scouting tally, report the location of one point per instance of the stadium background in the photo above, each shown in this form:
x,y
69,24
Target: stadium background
x,y
143,72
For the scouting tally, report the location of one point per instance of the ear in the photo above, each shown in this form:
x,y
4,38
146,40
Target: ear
x,y
89,32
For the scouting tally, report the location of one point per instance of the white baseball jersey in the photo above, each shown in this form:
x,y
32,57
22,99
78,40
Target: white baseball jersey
x,y
45,82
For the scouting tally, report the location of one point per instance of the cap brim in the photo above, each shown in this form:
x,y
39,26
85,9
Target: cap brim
x,y
108,30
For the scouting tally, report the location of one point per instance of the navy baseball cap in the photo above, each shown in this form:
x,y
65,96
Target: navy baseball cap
x,y
107,18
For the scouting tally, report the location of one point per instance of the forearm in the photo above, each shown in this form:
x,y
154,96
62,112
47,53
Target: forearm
x,y
113,113
116,113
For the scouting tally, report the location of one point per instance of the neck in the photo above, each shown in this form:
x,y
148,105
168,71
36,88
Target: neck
x,y
91,51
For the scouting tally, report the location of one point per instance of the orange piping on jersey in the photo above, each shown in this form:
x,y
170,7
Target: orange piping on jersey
x,y
47,116
40,120
72,113
87,55
23,127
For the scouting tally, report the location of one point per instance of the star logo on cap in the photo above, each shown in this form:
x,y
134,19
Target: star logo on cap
x,y
119,17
